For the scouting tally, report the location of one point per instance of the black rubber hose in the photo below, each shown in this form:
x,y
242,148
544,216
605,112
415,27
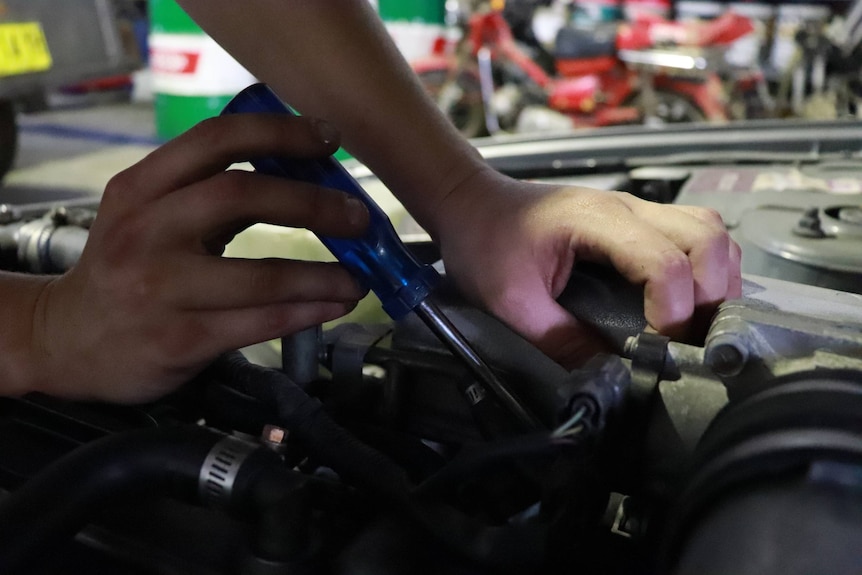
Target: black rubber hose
x,y
58,502
536,378
509,547
596,295
604,300
474,460
303,415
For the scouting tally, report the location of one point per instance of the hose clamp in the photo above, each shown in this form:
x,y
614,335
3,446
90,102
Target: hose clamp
x,y
220,469
33,240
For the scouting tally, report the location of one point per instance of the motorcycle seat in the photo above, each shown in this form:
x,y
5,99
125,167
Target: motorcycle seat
x,y
577,43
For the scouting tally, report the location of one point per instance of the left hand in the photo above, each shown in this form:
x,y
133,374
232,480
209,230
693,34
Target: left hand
x,y
151,302
511,245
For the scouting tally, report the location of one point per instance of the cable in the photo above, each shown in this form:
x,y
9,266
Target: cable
x,y
566,428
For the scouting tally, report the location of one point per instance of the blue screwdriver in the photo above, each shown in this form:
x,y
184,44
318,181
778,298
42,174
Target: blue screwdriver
x,y
379,259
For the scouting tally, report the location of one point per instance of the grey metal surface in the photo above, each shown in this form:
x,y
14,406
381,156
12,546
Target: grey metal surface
x,y
777,329
622,147
83,37
764,207
69,133
72,153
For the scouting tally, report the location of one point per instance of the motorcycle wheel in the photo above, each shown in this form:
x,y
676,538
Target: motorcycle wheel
x,y
8,136
669,108
460,100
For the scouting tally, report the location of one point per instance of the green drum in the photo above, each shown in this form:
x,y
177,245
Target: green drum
x,y
193,77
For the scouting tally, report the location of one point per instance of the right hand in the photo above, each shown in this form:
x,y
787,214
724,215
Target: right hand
x,y
151,301
533,234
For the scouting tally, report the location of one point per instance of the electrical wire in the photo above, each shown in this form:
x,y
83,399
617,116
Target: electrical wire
x,y
570,427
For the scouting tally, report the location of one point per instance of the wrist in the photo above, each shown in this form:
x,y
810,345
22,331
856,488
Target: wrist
x,y
474,199
427,191
22,340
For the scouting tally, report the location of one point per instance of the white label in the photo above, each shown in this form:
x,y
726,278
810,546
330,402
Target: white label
x,y
194,65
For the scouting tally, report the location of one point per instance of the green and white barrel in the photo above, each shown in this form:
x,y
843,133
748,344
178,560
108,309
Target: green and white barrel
x,y
193,77
415,25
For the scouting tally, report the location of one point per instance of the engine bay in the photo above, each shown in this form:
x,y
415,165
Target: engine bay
x,y
357,447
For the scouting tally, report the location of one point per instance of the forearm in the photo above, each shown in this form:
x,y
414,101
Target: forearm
x,y
20,296
334,59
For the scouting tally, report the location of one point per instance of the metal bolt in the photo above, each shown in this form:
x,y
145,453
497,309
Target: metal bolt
x,y
726,355
59,216
809,225
631,346
7,215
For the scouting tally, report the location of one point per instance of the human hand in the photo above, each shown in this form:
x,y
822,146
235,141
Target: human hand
x,y
532,234
151,301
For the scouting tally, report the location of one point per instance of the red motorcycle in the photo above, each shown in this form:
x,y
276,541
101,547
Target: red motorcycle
x,y
647,70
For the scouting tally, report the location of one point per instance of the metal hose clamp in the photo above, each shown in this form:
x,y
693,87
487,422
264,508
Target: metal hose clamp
x,y
220,470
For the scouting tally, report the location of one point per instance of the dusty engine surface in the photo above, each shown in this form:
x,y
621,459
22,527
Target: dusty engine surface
x,y
801,224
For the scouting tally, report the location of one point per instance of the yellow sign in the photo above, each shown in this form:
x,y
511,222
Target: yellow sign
x,y
23,49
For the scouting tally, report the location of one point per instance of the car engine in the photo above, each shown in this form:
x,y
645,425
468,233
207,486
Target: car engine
x,y
359,449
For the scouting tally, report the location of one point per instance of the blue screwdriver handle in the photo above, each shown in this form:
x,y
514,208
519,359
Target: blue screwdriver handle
x,y
379,259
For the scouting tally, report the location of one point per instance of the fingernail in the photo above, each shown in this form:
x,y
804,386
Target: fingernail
x,y
326,132
357,213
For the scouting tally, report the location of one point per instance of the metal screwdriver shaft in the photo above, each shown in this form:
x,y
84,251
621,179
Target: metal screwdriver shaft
x,y
438,323
379,259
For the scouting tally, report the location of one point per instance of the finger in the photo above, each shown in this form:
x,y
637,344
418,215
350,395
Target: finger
x,y
644,256
230,201
213,145
224,283
732,273
734,279
705,312
734,252
700,233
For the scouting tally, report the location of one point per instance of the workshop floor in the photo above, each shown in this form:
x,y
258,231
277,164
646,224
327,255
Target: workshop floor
x,y
74,150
